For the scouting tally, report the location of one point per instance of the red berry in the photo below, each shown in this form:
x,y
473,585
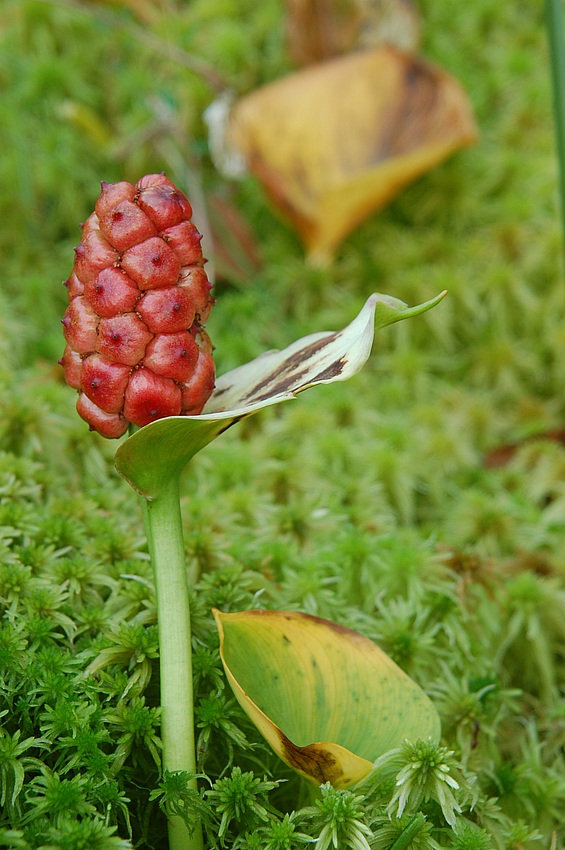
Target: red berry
x,y
165,205
185,240
125,225
172,355
112,194
71,361
104,382
112,292
153,180
151,264
80,325
110,425
138,295
93,254
195,283
166,310
74,286
123,338
197,390
150,397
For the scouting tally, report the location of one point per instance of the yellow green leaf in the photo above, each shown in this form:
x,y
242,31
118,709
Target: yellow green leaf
x,y
328,700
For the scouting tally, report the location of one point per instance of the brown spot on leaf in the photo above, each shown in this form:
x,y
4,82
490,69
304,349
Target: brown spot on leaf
x,y
313,760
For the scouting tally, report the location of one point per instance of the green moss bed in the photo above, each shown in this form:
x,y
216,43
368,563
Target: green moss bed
x,y
421,503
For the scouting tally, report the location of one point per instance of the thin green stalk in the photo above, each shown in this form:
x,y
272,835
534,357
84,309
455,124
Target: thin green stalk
x,y
162,517
554,23
409,832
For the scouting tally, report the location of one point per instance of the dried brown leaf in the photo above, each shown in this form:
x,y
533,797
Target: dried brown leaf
x,y
335,142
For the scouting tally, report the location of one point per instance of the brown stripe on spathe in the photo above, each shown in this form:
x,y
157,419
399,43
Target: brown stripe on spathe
x,y
295,371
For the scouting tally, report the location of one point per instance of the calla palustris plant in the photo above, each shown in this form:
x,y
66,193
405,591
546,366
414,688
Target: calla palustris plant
x,y
109,267
327,699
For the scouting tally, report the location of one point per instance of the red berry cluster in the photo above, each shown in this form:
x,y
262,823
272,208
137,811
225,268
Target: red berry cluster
x,y
138,298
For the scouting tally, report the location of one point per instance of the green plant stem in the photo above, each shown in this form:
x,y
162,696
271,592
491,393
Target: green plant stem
x,y
554,24
409,832
163,523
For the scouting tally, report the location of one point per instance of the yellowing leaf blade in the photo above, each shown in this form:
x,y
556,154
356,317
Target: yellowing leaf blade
x,y
327,699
